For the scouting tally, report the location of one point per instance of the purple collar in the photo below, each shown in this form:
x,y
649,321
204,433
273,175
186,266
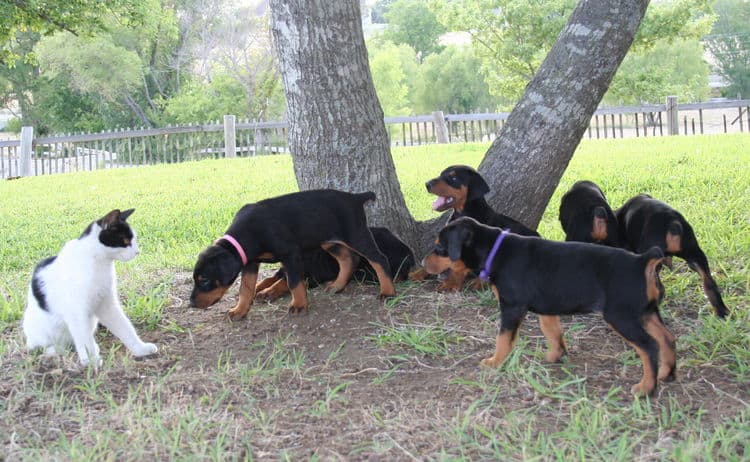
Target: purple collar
x,y
485,273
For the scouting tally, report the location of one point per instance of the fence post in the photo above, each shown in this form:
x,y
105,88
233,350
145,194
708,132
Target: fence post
x,y
27,139
673,120
230,141
441,128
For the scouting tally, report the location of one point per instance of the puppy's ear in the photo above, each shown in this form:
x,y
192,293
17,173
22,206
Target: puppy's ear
x,y
460,237
477,187
227,274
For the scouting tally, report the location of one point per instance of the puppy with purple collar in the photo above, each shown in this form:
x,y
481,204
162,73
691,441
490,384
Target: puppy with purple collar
x,y
552,278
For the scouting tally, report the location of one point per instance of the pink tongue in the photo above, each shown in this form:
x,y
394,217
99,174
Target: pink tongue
x,y
439,202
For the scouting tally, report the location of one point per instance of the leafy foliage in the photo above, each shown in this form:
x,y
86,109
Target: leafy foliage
x,y
412,22
124,73
94,66
729,43
449,80
512,37
200,102
665,69
452,81
393,69
81,16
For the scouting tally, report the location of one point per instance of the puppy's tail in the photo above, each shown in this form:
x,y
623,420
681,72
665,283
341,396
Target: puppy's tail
x,y
600,212
653,258
599,225
674,237
365,197
653,253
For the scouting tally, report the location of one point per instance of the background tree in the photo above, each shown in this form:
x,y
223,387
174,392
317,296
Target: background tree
x,y
412,22
77,70
95,67
179,53
394,72
452,81
337,136
729,43
677,68
20,79
379,8
236,43
206,101
512,37
80,16
542,132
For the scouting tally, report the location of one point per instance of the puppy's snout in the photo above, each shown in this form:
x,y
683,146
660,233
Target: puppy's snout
x,y
430,184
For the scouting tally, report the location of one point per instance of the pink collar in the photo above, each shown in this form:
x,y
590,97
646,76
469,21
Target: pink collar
x,y
236,246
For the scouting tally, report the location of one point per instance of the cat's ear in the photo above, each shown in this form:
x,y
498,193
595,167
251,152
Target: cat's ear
x,y
109,219
114,216
124,215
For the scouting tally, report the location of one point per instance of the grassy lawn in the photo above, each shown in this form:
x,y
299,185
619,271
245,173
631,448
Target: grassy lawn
x,y
398,381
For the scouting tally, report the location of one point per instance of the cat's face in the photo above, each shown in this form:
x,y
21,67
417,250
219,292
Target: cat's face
x,y
117,236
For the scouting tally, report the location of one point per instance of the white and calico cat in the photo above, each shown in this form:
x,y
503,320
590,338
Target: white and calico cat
x,y
72,292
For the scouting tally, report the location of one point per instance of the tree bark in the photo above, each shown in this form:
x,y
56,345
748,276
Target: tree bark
x,y
525,163
337,135
130,102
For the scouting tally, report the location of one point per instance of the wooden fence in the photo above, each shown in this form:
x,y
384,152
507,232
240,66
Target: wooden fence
x,y
132,147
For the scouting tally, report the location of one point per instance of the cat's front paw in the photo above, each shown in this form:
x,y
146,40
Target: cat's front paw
x,y
95,362
145,349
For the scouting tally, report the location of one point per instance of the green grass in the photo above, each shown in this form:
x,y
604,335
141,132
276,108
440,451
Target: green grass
x,y
423,339
179,208
525,410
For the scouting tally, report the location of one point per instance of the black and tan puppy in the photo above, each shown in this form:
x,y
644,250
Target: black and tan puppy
x,y
586,216
320,267
645,222
281,229
461,189
554,278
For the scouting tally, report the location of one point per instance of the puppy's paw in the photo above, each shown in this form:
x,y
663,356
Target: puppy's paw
x,y
264,294
490,362
478,284
237,313
302,309
666,373
145,349
554,356
641,389
419,275
386,296
447,286
334,288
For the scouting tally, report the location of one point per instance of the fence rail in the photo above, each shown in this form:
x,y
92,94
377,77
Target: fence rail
x,y
230,138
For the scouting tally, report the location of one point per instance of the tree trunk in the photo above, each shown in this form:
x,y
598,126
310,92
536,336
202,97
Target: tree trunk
x,y
337,135
130,102
525,163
